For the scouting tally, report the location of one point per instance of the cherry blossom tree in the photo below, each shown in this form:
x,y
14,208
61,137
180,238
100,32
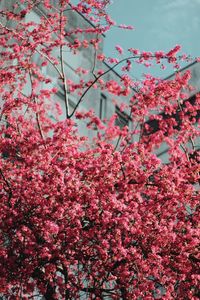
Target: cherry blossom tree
x,y
100,219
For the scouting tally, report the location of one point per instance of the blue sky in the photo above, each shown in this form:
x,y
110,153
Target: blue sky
x,y
159,25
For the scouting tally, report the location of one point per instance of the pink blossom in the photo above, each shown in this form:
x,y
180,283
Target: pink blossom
x,y
119,49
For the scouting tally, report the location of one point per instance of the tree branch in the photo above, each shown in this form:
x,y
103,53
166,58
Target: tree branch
x,y
63,77
8,186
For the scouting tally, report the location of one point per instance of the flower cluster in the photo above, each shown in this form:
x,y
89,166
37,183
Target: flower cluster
x,y
100,219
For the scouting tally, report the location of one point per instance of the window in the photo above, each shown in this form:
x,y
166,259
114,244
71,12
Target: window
x,y
122,118
153,124
103,107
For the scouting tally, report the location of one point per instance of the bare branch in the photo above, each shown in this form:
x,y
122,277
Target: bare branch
x,y
97,78
63,77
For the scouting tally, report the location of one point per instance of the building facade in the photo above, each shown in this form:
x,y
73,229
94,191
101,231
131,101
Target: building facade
x,y
194,82
83,65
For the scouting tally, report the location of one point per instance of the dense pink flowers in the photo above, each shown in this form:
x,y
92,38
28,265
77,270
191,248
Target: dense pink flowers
x,y
93,218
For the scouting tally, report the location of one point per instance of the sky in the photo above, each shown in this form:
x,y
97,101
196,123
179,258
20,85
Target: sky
x,y
159,25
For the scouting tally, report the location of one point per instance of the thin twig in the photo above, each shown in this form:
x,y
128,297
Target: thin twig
x,y
118,140
185,151
95,80
63,70
36,113
8,186
142,129
95,58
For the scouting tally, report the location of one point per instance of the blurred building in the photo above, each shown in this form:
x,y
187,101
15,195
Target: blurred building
x,y
194,68
103,103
